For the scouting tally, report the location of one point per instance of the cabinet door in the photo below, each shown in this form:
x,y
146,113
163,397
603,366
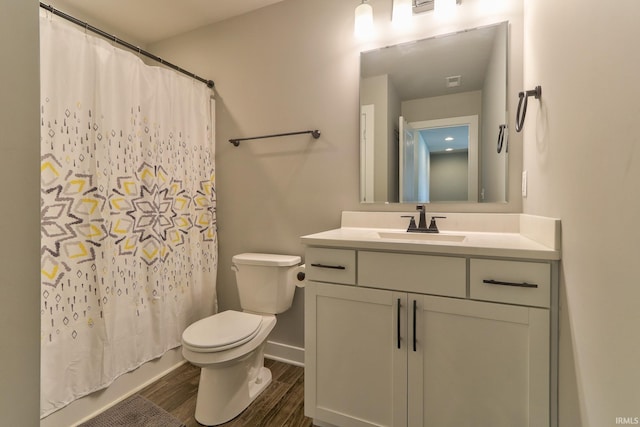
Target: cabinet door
x,y
477,364
355,356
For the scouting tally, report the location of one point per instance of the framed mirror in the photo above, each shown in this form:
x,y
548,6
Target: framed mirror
x,y
432,113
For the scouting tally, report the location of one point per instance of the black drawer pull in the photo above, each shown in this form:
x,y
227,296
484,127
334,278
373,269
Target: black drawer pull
x,y
415,337
519,285
335,267
398,320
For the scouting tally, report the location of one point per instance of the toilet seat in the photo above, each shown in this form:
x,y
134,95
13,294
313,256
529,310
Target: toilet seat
x,y
222,331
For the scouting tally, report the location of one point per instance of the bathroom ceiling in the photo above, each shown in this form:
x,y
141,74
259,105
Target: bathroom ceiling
x,y
149,21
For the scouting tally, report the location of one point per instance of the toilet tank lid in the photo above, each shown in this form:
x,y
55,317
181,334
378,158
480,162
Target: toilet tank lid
x,y
266,259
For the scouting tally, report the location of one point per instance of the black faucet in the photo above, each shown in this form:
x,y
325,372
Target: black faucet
x,y
422,222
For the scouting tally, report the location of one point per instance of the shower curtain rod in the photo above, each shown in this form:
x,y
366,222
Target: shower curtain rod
x,y
128,45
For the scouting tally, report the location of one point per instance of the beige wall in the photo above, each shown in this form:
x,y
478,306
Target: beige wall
x,y
295,66
493,171
582,154
20,225
375,91
448,176
443,107
392,142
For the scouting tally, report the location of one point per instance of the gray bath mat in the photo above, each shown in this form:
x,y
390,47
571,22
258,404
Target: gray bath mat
x,y
134,411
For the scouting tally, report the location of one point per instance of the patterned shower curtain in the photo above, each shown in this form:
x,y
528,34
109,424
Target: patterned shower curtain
x,y
129,244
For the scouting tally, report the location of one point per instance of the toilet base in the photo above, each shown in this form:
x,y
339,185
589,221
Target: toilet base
x,y
255,387
224,392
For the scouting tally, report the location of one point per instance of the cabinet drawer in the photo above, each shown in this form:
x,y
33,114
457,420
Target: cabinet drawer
x,y
425,274
512,282
331,265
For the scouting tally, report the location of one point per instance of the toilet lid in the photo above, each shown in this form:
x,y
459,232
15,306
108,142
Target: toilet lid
x,y
222,331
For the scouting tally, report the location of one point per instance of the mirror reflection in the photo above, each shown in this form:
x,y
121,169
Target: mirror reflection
x,y
430,117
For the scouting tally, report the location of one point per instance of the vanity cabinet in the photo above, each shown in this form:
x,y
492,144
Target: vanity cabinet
x,y
407,339
355,372
477,364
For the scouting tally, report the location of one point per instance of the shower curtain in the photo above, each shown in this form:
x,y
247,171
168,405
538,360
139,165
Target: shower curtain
x,y
128,206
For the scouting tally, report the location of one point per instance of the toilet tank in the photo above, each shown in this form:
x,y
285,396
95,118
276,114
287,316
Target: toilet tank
x,y
266,282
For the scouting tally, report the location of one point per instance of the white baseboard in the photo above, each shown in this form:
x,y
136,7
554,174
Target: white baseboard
x,y
284,353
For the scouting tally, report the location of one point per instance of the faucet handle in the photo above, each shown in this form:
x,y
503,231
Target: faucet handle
x,y
412,222
433,226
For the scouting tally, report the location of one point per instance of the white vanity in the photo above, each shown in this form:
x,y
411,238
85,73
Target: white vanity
x,y
451,329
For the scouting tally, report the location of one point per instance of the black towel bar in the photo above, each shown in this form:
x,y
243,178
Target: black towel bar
x,y
315,133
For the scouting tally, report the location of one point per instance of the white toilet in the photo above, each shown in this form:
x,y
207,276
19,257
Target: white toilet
x,y
229,346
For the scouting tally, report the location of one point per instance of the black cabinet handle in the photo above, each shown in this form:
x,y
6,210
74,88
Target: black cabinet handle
x,y
335,267
399,305
415,309
519,285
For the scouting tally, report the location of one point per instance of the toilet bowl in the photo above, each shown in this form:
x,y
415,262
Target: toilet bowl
x,y
229,346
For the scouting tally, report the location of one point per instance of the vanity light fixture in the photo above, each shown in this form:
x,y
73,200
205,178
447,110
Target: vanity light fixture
x,y
446,8
363,20
441,7
402,12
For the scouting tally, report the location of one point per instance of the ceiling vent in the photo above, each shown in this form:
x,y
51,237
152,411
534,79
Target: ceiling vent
x,y
453,81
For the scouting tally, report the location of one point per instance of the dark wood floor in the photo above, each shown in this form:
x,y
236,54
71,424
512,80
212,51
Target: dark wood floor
x,y
280,405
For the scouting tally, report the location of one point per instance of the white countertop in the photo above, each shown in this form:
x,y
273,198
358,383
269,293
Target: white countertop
x,y
542,243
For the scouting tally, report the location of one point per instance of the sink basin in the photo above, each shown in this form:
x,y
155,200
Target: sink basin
x,y
428,237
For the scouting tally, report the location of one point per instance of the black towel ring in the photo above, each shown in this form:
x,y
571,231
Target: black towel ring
x,y
501,134
524,96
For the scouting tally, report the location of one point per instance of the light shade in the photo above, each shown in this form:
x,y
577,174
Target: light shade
x,y
445,8
402,12
364,20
